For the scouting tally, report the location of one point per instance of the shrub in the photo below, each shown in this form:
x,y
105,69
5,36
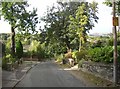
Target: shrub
x,y
107,53
10,58
94,54
118,53
79,55
40,52
27,54
101,54
59,58
110,42
33,48
68,55
74,54
4,63
19,49
8,46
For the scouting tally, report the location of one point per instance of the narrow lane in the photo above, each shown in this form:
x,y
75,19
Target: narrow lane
x,y
48,74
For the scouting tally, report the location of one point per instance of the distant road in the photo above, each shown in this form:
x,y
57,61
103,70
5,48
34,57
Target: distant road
x,y
48,74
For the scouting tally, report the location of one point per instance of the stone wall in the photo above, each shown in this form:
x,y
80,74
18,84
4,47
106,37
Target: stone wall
x,y
99,69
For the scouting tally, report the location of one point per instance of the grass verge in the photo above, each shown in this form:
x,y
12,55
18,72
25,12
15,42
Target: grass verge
x,y
90,79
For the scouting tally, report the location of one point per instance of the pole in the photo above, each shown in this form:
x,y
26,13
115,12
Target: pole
x,y
115,48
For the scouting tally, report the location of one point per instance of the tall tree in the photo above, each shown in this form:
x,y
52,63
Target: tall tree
x,y
57,23
83,21
19,19
66,22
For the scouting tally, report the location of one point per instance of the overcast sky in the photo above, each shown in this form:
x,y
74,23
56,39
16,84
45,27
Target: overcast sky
x,y
104,23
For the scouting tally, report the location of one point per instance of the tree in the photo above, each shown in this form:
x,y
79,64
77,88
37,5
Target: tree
x,y
83,21
57,23
109,3
60,33
18,17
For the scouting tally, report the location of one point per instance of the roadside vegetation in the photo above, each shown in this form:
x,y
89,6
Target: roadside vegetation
x,y
65,34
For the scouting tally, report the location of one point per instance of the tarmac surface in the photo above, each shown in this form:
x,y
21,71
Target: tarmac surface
x,y
11,78
49,74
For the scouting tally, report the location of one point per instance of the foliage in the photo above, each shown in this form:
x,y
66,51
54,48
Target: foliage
x,y
59,58
4,63
100,54
68,55
19,49
38,50
27,54
110,42
8,46
4,36
118,47
109,3
41,52
57,33
10,58
108,54
98,43
82,22
79,55
55,48
33,47
18,17
57,21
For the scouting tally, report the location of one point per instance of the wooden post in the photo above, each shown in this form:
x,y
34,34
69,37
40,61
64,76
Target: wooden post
x,y
115,48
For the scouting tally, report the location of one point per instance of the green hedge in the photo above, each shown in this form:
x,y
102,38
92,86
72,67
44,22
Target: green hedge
x,y
101,54
19,49
98,54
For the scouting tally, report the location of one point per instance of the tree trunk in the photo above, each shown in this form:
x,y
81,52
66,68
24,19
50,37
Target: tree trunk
x,y
68,47
80,44
13,41
67,43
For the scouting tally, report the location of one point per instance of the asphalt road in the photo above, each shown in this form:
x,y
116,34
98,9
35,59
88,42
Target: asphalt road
x,y
48,74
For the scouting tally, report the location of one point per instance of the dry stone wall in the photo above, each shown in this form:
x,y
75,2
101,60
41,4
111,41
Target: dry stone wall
x,y
100,69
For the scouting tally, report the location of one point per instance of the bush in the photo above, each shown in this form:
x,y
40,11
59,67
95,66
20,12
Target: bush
x,y
107,53
110,42
8,46
101,54
4,63
94,54
19,49
27,54
10,58
68,55
118,53
40,52
79,55
33,47
59,58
